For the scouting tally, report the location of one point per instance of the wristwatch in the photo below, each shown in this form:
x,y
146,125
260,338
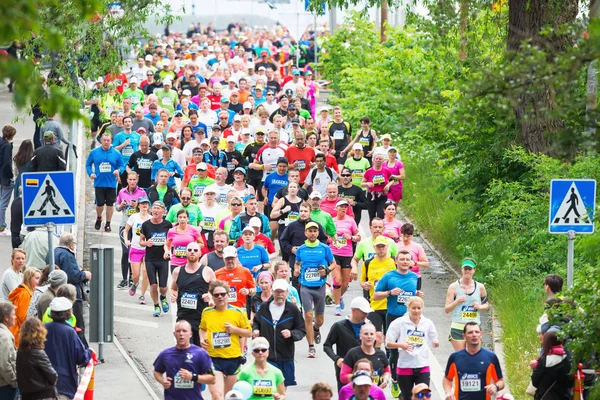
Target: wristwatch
x,y
389,293
194,377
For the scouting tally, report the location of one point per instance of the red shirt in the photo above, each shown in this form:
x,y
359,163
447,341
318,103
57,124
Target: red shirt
x,y
329,207
331,162
215,101
119,81
262,240
304,157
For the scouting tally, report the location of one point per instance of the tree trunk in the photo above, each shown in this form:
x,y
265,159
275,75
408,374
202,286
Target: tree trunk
x,y
533,105
464,19
384,19
590,108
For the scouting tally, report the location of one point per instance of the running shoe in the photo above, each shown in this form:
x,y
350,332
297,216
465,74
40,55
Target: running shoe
x,y
317,335
107,227
312,352
165,305
98,223
142,300
338,311
328,299
342,304
396,390
156,311
122,284
132,290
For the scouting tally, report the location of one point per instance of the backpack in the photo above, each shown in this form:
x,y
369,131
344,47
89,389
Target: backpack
x,y
313,175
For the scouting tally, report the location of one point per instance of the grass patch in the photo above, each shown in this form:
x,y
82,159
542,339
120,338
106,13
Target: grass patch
x,y
519,307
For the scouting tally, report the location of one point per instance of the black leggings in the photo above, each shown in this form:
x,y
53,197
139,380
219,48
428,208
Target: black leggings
x,y
393,353
376,204
407,382
125,266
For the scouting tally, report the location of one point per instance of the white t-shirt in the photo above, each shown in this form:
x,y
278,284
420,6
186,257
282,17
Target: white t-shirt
x,y
189,147
322,179
139,72
135,221
270,107
270,156
10,280
209,216
208,118
221,193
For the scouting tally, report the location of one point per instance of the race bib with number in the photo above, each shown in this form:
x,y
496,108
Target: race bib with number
x,y
341,241
312,275
415,337
209,223
301,164
470,382
221,340
364,141
378,179
144,163
404,297
263,387
129,211
222,198
189,300
138,229
338,135
127,151
167,101
293,216
232,296
230,166
181,383
469,312
198,190
159,238
105,167
357,174
180,251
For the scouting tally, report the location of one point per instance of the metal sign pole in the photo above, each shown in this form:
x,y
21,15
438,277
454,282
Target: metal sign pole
x,y
101,304
570,257
50,228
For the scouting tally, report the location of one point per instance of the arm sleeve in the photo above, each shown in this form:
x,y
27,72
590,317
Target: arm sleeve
x,y
88,164
361,200
284,241
344,373
45,366
299,329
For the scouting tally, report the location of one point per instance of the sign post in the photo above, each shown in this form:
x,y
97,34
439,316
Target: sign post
x,y
572,205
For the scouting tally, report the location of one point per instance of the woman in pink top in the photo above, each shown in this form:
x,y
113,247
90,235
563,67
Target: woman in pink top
x,y
391,226
376,393
347,232
377,181
396,169
179,237
416,251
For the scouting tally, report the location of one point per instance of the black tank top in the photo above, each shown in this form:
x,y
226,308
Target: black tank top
x,y
191,287
214,262
366,141
293,214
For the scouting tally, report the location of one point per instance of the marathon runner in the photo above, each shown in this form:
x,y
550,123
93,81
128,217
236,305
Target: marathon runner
x,y
194,213
214,259
354,194
137,252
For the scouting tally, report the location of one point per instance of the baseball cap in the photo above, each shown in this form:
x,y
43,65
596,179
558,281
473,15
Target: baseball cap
x,y
237,117
230,139
216,128
392,148
421,387
240,169
264,53
362,304
224,99
210,189
204,141
295,72
255,222
280,284
171,135
159,204
295,121
202,166
186,92
167,147
48,135
362,378
247,105
282,160
342,203
380,240
143,200
261,130
167,81
141,129
100,80
148,57
215,139
235,92
308,73
262,68
245,131
315,194
133,80
357,146
248,228
311,225
292,107
229,251
386,136
178,113
323,108
60,304
258,87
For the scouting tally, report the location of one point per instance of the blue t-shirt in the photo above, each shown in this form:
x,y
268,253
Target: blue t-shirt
x,y
251,258
396,305
273,183
310,258
356,328
105,162
154,119
195,128
171,166
193,359
132,147
471,373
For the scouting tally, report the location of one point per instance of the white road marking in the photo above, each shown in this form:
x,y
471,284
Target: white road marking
x,y
133,306
137,322
437,372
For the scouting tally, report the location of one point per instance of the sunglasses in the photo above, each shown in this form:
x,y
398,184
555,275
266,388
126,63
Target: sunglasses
x,y
260,350
260,134
185,198
346,175
421,395
149,75
219,294
194,250
236,204
222,117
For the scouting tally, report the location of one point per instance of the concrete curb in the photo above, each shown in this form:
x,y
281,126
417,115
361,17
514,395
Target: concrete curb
x,y
495,322
135,369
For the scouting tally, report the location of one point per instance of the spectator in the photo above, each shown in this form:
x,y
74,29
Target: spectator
x,y
48,157
56,279
22,163
8,352
21,296
12,277
52,126
553,285
6,173
64,349
35,374
16,220
551,371
36,246
64,258
38,292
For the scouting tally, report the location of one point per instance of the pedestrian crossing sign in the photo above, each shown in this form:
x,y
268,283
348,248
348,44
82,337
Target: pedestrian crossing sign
x,y
572,205
48,197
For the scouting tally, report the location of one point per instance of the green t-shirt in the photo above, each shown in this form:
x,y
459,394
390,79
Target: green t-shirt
x,y
197,186
263,387
358,168
366,250
167,99
136,96
194,213
161,192
325,220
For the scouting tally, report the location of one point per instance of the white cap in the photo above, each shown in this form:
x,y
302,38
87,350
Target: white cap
x,y
323,108
165,62
357,146
341,203
255,222
60,304
229,251
245,131
156,139
247,105
186,92
171,135
237,117
167,81
205,141
315,194
248,228
259,343
360,380
361,304
149,57
100,80
250,65
230,139
202,166
280,284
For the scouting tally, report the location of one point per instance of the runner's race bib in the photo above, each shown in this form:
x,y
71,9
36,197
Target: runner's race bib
x,y
263,387
312,275
470,382
404,297
338,135
469,312
144,163
198,190
105,167
127,151
341,242
180,251
221,340
209,223
230,166
181,383
129,211
232,296
357,174
378,179
189,300
167,101
293,216
159,238
301,164
364,141
415,337
137,229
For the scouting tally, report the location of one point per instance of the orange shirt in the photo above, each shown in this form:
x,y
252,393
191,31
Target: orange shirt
x,y
20,297
237,279
304,157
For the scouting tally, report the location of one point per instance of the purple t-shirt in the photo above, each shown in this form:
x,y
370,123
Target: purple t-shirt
x,y
376,393
193,359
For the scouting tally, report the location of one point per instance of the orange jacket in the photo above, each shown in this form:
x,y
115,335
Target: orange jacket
x,y
20,297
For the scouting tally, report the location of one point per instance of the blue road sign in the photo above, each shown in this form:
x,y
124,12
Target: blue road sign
x,y
48,197
572,205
